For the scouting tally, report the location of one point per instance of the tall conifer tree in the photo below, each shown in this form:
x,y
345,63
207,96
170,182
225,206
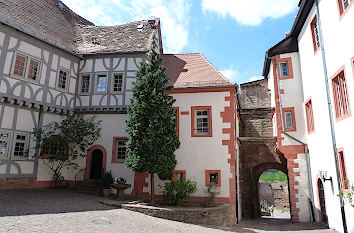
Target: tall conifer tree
x,y
151,128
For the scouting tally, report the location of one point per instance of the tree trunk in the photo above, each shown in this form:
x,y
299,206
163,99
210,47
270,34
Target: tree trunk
x,y
152,185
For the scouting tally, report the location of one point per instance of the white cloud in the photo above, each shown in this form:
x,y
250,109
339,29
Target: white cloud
x,y
248,12
174,16
230,74
255,78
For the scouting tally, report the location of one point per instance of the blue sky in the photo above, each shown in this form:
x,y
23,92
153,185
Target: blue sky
x,y
232,34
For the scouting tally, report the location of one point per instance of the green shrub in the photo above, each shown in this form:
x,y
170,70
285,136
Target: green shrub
x,y
177,192
273,176
108,180
212,191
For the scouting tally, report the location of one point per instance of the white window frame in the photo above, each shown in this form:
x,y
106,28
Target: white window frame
x,y
8,140
26,142
67,80
196,121
96,84
286,120
26,67
80,84
120,146
281,70
112,83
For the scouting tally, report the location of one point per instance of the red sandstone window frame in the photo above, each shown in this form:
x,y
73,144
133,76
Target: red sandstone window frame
x,y
343,170
341,98
193,121
207,177
309,116
341,9
289,63
183,172
177,119
114,149
46,156
316,43
292,110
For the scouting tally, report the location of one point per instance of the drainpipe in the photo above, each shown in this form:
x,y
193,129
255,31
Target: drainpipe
x,y
237,164
341,202
307,155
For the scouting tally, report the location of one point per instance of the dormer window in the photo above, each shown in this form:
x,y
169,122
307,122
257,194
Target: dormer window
x,y
61,5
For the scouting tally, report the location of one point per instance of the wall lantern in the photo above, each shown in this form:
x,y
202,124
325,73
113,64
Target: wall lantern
x,y
324,176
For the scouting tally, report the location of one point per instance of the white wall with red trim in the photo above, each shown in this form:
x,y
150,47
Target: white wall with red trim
x,y
338,37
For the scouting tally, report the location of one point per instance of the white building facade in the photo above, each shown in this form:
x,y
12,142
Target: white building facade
x,y
321,53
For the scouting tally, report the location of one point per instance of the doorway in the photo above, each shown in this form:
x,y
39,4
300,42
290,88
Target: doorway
x,y
96,164
321,193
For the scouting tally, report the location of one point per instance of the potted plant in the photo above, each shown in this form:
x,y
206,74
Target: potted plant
x,y
121,180
107,183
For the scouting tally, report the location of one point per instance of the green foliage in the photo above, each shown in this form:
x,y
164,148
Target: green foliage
x,y
108,180
177,192
212,191
348,196
150,125
63,142
271,176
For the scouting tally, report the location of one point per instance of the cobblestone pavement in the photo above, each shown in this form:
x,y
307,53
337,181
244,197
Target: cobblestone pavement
x,y
66,211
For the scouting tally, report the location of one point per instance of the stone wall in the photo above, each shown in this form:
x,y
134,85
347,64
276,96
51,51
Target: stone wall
x,y
275,193
222,215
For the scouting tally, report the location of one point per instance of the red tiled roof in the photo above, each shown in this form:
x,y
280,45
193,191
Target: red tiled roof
x,y
193,70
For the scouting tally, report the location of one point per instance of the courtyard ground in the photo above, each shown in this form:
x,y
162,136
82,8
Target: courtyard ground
x,y
57,210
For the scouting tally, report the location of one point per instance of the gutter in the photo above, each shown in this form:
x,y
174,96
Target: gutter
x,y
329,102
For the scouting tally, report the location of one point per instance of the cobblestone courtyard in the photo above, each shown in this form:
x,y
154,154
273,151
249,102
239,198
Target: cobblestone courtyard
x,y
66,211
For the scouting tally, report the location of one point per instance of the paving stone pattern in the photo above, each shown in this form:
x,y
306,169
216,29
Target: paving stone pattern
x,y
66,211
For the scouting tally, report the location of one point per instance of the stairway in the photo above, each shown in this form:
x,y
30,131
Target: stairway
x,y
89,187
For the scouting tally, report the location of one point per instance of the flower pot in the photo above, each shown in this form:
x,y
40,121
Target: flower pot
x,y
106,192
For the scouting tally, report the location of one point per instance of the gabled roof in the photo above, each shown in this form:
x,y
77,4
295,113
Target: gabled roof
x,y
193,70
289,44
54,23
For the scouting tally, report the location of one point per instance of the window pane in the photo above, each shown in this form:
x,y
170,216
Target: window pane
x,y
121,150
117,83
33,69
284,69
214,178
101,83
179,176
85,83
20,64
3,148
62,81
202,122
288,120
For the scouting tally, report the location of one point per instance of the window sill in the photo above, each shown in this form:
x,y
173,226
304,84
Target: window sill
x,y
201,136
316,51
84,94
310,132
343,117
290,130
286,77
24,79
100,93
117,93
61,89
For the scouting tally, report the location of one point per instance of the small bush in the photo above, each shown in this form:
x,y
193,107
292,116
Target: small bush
x,y
108,180
177,192
212,191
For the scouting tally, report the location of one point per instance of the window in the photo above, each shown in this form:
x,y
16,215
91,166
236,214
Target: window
x,y
284,71
344,5
340,94
117,83
101,83
342,168
85,83
285,68
119,150
4,143
176,118
55,146
179,175
315,34
289,119
212,176
63,78
201,121
20,145
309,117
26,67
